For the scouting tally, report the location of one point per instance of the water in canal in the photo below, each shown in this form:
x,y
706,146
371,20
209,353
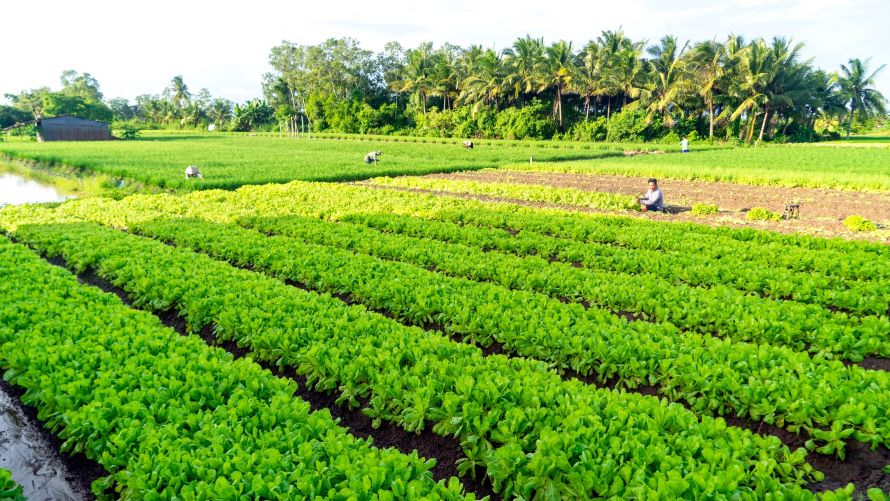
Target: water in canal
x,y
16,190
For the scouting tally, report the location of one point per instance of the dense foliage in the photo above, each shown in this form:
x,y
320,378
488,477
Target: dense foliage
x,y
668,89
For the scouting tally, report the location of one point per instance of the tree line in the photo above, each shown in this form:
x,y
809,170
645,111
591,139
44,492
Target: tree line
x,y
735,89
611,88
175,106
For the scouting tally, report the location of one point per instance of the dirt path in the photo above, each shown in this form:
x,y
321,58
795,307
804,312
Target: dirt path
x,y
822,211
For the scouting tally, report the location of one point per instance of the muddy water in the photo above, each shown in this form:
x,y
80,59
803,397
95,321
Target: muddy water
x,y
32,459
15,190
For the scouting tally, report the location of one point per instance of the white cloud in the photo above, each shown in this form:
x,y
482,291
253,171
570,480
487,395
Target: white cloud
x,y
136,48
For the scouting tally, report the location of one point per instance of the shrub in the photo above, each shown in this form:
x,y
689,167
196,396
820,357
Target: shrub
x,y
859,223
589,130
126,130
532,121
761,214
704,209
627,125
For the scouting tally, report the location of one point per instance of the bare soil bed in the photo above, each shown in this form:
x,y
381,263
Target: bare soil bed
x,y
822,211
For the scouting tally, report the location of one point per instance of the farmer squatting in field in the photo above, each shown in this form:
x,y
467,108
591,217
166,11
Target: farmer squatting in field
x,y
373,157
654,199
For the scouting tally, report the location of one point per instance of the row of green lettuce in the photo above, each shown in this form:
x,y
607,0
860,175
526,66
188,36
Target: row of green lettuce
x,y
717,310
9,489
168,416
856,297
777,385
529,192
849,262
533,433
844,260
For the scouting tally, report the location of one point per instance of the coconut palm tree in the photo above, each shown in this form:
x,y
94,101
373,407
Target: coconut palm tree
x,y
557,71
750,83
445,75
856,86
784,76
178,92
485,83
708,70
525,58
418,73
669,80
590,80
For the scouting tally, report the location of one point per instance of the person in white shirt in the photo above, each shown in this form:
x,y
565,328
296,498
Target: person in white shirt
x,y
654,199
684,145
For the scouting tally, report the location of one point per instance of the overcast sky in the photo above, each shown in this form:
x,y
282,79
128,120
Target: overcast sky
x,y
135,48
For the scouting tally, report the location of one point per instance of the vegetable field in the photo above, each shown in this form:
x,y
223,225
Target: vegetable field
x,y
231,161
491,349
815,166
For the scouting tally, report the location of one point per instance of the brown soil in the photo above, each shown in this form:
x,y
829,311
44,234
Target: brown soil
x,y
821,210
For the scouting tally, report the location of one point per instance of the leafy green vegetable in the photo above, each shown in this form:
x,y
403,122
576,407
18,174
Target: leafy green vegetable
x,y
167,415
718,310
535,433
530,192
859,223
9,489
705,209
761,214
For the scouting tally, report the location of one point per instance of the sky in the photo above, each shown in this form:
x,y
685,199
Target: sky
x,y
135,48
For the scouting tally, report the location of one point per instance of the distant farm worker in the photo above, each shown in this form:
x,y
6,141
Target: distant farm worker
x,y
684,145
192,171
373,157
468,145
654,200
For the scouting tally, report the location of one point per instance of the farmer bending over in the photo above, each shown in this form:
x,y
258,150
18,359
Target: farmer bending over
x,y
192,171
654,199
373,157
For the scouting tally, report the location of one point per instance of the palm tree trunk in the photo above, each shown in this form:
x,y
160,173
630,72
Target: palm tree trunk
x,y
711,116
751,123
609,108
586,107
559,104
763,125
850,121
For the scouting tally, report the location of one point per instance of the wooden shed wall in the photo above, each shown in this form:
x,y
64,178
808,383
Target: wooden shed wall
x,y
72,129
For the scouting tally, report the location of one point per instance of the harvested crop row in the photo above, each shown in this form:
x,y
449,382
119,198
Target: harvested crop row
x,y
718,310
167,415
714,375
536,193
534,433
859,298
